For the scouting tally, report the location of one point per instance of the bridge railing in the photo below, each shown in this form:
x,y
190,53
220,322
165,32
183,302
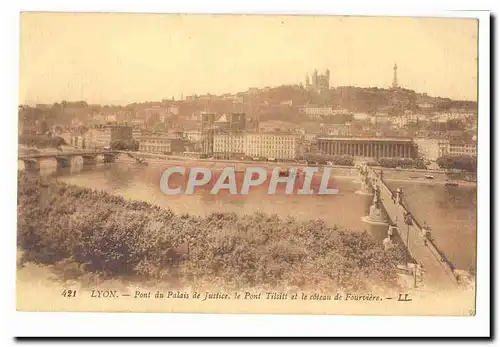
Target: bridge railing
x,y
431,244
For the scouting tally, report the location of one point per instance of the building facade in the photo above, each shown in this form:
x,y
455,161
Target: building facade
x,y
95,139
160,144
377,147
193,135
259,145
207,132
229,144
429,148
272,145
458,147
319,113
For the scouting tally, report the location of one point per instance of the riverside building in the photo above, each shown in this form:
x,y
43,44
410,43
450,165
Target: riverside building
x,y
261,145
160,144
369,147
272,145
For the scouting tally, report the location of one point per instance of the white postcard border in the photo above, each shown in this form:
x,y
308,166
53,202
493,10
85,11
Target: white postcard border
x,y
119,324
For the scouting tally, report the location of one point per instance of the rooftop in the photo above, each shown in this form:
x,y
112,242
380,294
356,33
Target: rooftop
x,y
361,138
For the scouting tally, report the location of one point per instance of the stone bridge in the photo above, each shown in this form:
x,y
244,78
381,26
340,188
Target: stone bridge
x,y
388,208
32,160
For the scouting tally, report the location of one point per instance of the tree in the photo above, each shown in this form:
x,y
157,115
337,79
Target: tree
x,y
459,162
122,145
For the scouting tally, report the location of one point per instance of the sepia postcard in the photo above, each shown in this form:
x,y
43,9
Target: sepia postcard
x,y
270,164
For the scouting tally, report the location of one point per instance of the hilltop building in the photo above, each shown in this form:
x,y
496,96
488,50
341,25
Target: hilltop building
x,y
320,83
395,84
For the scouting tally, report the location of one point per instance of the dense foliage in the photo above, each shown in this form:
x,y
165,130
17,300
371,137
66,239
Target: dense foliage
x,y
460,162
41,141
321,159
123,145
113,236
405,163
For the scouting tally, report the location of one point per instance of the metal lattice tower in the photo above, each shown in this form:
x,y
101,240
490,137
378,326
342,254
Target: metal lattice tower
x,y
395,77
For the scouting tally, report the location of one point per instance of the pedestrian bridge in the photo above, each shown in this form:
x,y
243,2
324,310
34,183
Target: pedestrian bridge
x,y
389,208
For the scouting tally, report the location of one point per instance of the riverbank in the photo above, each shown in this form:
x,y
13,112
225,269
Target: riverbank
x,y
428,177
113,236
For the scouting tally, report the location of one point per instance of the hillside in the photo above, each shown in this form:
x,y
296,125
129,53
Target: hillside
x,y
277,103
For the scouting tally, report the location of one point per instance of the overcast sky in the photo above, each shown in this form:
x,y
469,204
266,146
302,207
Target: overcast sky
x,y
122,58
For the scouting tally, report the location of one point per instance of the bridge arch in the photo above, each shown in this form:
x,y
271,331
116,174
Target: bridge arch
x,y
31,164
63,161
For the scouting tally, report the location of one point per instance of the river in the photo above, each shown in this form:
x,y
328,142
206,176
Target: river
x,y
450,212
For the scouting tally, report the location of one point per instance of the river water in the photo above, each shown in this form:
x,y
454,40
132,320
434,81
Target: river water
x,y
451,213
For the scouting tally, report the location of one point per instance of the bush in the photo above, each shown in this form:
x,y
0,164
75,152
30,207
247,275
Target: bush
x,y
459,162
344,160
405,163
113,236
122,145
41,141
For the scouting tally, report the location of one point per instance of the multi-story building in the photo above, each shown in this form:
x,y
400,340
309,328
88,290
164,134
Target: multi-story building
x,y
310,137
336,129
261,145
227,123
91,139
160,144
425,106
137,122
96,138
317,112
207,132
308,143
229,143
272,145
367,147
458,147
429,148
193,135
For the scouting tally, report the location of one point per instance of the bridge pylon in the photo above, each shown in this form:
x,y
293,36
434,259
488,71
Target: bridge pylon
x,y
89,159
63,162
376,215
109,158
31,165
